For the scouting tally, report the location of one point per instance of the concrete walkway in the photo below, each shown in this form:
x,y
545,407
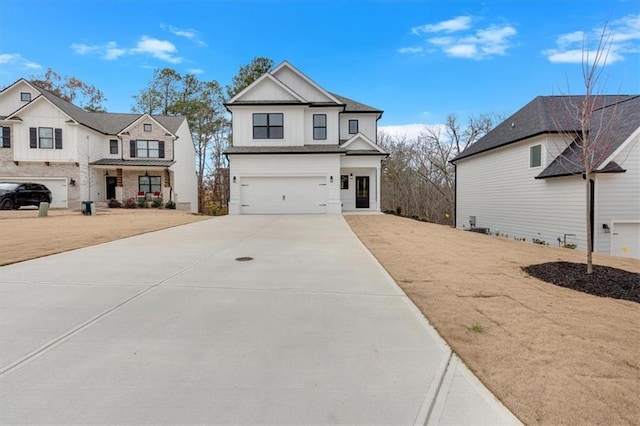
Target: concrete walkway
x,y
169,328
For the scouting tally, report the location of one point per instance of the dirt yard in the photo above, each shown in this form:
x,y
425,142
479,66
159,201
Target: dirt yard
x,y
551,354
24,235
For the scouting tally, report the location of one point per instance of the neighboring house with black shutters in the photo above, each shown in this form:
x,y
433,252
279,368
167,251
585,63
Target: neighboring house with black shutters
x,y
95,156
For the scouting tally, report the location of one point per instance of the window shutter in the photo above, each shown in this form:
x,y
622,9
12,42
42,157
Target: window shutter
x,y
6,137
132,148
161,149
58,138
33,137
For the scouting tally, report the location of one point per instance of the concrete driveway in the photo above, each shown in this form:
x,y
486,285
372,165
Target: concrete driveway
x,y
169,327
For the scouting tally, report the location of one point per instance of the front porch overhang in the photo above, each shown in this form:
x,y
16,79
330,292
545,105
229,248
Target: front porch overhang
x,y
106,163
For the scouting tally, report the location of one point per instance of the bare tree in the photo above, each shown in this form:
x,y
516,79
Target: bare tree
x,y
588,120
418,180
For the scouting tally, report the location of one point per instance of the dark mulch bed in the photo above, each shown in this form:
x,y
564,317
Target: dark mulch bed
x,y
605,281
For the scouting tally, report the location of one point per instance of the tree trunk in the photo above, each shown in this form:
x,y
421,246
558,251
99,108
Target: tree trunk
x,y
589,224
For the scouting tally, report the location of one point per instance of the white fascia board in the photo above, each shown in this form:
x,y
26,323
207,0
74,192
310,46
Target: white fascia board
x,y
271,78
142,117
622,146
364,138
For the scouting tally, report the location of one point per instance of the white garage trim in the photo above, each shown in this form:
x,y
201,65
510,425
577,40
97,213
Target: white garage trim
x,y
283,195
625,238
57,186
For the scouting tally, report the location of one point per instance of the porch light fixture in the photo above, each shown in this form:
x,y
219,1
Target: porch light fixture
x,y
146,173
106,172
72,182
331,179
234,179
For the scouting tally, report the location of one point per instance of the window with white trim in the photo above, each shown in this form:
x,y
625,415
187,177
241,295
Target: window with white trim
x,y
113,146
147,149
147,127
45,137
535,156
5,133
25,97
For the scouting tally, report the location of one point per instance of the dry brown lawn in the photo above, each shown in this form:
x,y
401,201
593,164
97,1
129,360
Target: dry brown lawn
x,y
24,235
551,354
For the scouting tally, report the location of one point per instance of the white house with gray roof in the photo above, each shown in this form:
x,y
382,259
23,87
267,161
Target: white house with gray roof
x,y
94,156
523,179
298,148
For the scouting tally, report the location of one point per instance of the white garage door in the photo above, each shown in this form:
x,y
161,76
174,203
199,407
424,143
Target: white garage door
x,y
58,188
625,240
283,195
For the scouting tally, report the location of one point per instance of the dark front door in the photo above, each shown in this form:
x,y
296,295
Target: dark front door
x,y
362,192
112,182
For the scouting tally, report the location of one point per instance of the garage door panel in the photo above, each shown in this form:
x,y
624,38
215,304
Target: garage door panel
x,y
58,188
625,239
283,195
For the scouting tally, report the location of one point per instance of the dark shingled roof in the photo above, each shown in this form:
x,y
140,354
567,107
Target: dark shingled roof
x,y
107,123
139,163
626,116
540,116
304,149
353,106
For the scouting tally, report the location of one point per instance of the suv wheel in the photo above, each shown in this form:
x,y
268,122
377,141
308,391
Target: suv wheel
x,y
7,204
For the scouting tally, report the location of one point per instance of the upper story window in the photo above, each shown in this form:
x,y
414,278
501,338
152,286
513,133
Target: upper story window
x,y
45,138
319,126
353,127
113,146
6,137
268,126
146,127
25,97
147,149
535,156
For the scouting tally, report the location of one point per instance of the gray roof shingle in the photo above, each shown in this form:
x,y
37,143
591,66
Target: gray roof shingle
x,y
537,117
137,162
108,123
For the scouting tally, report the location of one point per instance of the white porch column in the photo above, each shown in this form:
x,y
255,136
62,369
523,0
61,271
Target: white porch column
x,y
378,183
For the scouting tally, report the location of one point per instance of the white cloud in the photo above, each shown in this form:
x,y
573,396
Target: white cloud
x,y
195,71
189,34
160,49
458,23
622,35
19,60
411,50
108,51
467,42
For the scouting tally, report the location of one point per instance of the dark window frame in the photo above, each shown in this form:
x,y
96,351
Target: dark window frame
x,y
146,127
535,154
47,138
356,125
25,97
148,185
322,136
113,146
273,131
5,134
344,181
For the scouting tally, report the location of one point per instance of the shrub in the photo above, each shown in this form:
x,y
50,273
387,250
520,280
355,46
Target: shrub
x,y
398,210
170,205
114,204
142,203
130,203
156,203
212,208
569,245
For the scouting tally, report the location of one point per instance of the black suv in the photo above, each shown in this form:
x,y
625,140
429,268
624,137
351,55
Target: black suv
x,y
14,195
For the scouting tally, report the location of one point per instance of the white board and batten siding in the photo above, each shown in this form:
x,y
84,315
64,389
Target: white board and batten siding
x,y
294,131
267,178
500,190
618,205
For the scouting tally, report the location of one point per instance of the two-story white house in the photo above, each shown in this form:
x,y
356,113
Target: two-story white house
x,y
94,156
298,148
524,179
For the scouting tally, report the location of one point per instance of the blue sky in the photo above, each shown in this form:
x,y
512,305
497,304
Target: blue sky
x,y
416,60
